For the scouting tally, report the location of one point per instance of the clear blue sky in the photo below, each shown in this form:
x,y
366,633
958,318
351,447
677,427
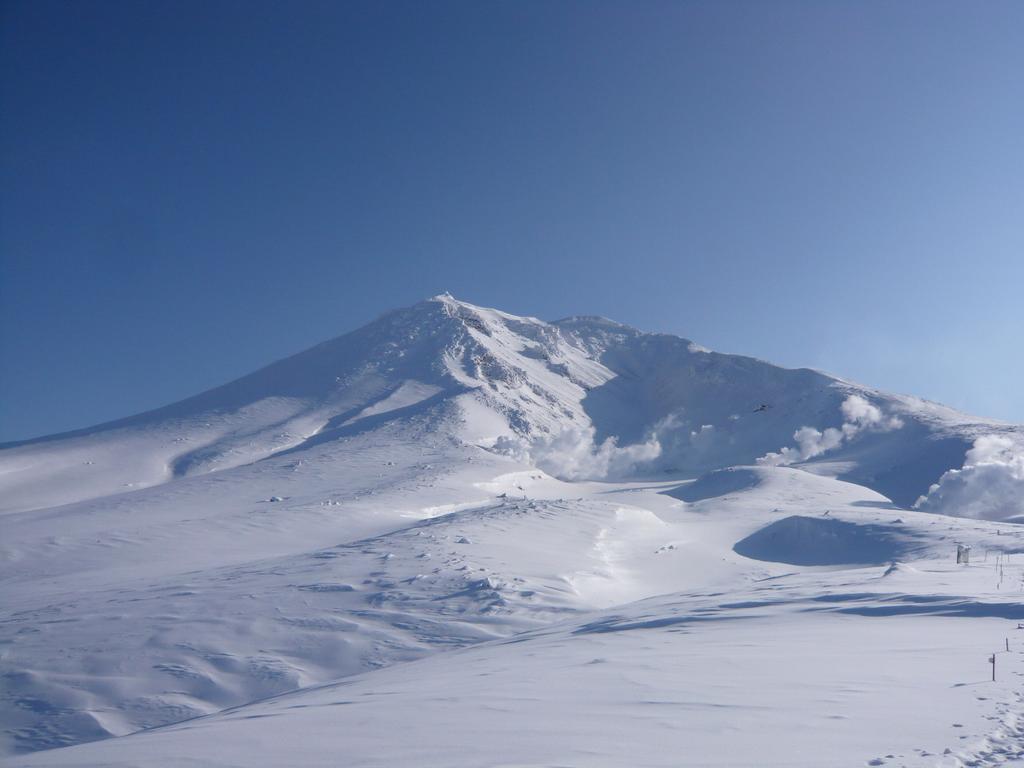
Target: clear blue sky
x,y
190,190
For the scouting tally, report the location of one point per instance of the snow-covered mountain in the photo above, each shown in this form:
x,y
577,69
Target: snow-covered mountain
x,y
513,384
452,476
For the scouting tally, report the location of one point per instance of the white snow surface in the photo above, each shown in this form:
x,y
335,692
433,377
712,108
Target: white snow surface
x,y
457,537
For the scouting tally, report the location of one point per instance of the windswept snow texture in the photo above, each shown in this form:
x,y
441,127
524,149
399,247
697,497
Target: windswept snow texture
x,y
461,537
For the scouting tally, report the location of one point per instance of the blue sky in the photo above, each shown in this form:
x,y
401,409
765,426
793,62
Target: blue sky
x,y
194,189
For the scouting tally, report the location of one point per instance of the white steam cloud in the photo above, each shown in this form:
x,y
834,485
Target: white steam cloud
x,y
859,414
989,486
574,454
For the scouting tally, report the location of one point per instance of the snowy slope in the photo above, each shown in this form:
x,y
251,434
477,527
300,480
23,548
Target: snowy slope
x,y
733,657
452,476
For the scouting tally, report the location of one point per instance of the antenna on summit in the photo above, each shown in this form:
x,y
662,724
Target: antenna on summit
x,y
445,298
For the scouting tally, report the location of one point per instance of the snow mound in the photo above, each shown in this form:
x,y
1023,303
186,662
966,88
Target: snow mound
x,y
800,540
717,483
896,568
